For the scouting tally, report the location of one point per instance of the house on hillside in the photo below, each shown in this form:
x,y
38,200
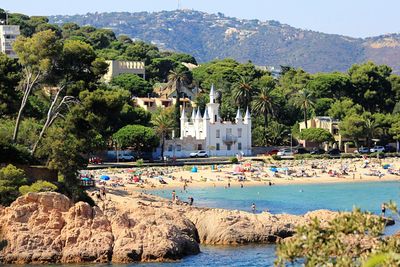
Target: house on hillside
x,y
117,67
8,35
209,132
326,123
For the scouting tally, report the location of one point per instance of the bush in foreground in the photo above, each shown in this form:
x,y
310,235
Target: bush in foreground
x,y
38,186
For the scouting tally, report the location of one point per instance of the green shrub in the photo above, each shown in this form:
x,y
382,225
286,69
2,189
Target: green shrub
x,y
11,178
139,163
234,160
38,186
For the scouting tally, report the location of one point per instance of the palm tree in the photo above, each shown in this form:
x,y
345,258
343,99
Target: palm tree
x,y
372,129
243,92
177,79
163,125
305,100
263,104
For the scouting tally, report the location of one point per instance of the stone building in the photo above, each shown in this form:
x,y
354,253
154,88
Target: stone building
x,y
117,67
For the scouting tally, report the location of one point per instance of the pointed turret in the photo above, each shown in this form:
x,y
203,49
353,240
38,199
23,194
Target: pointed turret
x,y
213,95
206,117
198,114
238,116
183,115
193,114
247,117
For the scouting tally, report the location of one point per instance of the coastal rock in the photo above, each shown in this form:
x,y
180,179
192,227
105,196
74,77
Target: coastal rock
x,y
149,234
231,227
48,228
31,229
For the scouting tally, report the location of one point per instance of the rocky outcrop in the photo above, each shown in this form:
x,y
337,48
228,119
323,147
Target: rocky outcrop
x,y
49,228
231,227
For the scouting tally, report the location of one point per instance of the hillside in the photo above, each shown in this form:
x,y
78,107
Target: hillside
x,y
210,36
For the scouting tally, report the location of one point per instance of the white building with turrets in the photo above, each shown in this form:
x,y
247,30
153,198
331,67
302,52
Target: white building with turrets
x,y
209,132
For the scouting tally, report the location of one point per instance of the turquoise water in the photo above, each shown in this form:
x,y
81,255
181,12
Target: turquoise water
x,y
294,199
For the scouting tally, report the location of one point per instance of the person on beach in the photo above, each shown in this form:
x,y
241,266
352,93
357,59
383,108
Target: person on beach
x,y
383,209
253,208
241,185
173,195
229,184
190,201
103,193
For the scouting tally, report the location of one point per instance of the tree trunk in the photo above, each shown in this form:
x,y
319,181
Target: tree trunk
x,y
265,128
305,117
27,91
162,146
50,118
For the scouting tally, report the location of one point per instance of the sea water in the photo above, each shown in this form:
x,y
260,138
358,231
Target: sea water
x,y
293,199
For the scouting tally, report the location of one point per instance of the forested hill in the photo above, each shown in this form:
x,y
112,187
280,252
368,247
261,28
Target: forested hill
x,y
210,36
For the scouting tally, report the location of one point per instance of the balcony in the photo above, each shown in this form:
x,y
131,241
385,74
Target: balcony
x,y
229,139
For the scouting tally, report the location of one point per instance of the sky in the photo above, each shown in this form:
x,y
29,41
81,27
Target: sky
x,y
356,18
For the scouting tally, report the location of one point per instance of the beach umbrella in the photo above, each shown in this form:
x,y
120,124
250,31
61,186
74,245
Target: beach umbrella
x,y
194,169
85,179
273,169
104,177
239,168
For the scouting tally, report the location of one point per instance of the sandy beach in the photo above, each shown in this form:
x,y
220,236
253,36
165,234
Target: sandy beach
x,y
251,173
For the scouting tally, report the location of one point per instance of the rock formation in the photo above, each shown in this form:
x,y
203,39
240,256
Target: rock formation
x,y
49,228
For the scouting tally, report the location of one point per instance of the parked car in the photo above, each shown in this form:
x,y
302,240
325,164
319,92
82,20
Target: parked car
x,y
285,152
95,160
272,152
199,154
362,150
334,152
317,151
379,149
301,150
390,149
126,157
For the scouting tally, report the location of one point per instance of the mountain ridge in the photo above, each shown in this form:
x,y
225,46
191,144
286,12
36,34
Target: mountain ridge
x,y
211,36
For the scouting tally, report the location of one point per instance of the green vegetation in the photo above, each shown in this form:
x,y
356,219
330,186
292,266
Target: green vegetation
x,y
316,135
38,186
351,239
11,178
62,111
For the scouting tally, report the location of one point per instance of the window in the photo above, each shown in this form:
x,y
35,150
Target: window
x,y
217,146
228,146
228,131
215,118
240,132
217,134
178,147
239,146
170,148
199,147
335,131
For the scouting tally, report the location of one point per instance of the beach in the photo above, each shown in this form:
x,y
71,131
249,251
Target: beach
x,y
250,173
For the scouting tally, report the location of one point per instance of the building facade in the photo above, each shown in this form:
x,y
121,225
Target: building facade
x,y
8,35
326,123
209,132
117,67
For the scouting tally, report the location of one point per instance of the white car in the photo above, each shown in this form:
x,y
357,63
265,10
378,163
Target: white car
x,y
285,152
379,149
199,154
126,157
